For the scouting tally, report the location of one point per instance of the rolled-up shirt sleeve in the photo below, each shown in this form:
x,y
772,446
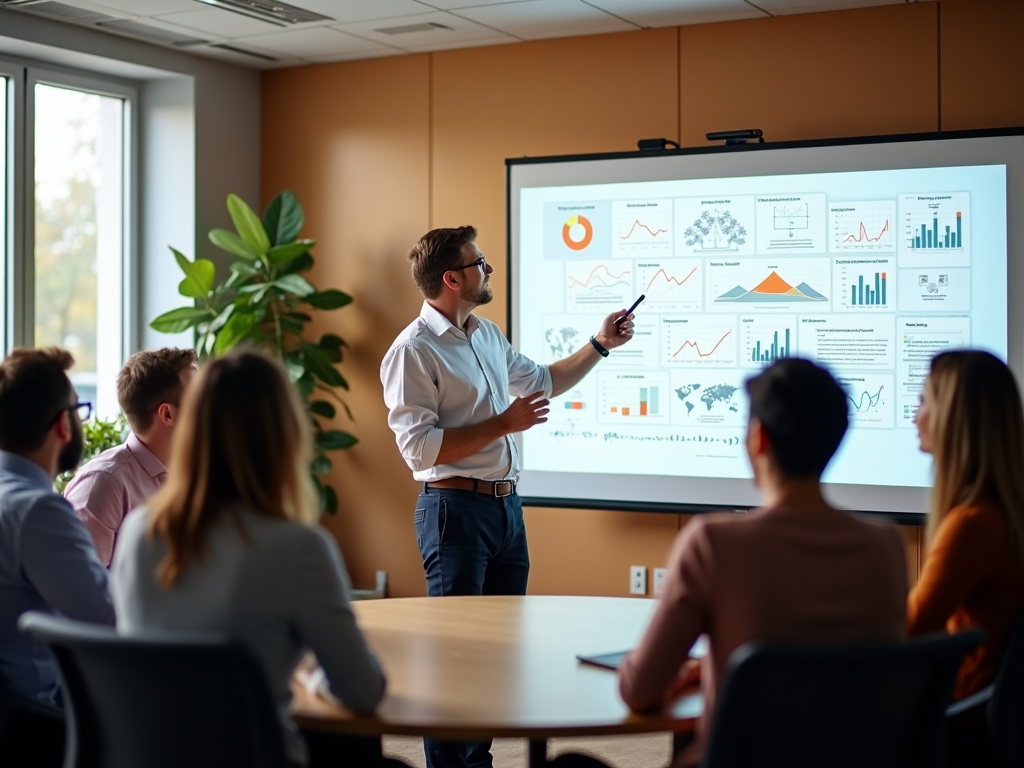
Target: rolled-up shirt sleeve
x,y
524,375
410,393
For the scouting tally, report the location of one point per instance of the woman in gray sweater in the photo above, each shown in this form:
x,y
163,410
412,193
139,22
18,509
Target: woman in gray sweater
x,y
230,544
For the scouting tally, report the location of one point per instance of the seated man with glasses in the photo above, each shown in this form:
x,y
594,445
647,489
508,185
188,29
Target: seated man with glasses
x,y
105,489
47,561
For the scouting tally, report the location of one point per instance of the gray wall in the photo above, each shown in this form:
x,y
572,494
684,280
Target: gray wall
x,y
199,140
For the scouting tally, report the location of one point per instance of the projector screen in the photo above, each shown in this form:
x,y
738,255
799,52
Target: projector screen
x,y
868,256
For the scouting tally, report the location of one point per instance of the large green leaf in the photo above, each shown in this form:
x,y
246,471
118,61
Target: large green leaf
x,y
248,224
321,464
329,299
335,440
199,276
294,366
235,330
295,284
302,264
282,254
178,320
283,218
323,408
319,364
291,325
331,345
306,384
330,500
233,244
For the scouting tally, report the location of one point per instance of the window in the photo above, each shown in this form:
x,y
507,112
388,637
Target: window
x,y
69,263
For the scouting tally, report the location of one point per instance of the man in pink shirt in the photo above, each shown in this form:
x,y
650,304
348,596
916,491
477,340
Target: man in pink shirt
x,y
794,570
149,390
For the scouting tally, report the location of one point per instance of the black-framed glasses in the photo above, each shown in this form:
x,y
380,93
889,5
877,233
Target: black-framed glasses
x,y
83,409
481,262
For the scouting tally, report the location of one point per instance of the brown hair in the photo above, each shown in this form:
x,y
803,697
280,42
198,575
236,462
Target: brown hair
x,y
243,440
976,429
34,389
437,252
149,378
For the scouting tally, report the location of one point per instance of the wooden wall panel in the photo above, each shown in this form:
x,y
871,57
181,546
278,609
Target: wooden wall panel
x,y
352,141
813,76
982,63
582,94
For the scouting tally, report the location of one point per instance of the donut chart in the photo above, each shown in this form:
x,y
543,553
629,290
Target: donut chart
x,y
577,233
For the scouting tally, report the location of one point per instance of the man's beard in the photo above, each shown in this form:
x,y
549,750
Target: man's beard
x,y
482,296
71,456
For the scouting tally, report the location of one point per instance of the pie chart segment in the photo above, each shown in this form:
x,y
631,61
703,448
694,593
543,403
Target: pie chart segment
x,y
577,232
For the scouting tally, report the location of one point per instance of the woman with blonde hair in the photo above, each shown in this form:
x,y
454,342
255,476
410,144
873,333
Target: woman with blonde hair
x,y
228,544
972,423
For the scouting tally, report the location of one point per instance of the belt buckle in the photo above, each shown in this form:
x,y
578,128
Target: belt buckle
x,y
503,488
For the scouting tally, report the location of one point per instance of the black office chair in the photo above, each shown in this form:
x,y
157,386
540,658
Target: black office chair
x,y
160,701
1003,705
808,706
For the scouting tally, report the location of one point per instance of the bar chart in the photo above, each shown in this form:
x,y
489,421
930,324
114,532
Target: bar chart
x,y
867,284
935,229
767,339
629,397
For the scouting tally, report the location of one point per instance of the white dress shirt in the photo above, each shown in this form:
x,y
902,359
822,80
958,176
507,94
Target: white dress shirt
x,y
436,376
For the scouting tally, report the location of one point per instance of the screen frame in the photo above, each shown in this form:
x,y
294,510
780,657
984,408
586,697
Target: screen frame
x,y
1015,276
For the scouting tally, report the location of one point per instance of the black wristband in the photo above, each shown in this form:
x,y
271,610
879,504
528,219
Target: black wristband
x,y
597,345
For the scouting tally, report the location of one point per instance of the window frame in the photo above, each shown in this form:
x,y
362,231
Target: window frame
x,y
19,264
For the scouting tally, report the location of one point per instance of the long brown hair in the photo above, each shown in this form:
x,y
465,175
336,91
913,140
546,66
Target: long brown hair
x,y
976,429
243,440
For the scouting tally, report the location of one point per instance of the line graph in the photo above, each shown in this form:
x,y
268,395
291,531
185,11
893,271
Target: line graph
x,y
869,396
862,226
642,227
670,285
698,340
639,224
597,286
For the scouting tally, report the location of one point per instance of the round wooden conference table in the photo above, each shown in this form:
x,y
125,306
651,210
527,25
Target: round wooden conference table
x,y
468,668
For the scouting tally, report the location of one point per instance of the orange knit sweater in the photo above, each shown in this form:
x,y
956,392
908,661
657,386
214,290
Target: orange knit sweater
x,y
971,578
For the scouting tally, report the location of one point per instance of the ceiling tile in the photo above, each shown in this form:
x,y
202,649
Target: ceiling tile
x,y
669,13
311,43
448,5
348,11
785,7
538,19
357,56
148,7
159,23
467,44
217,22
459,31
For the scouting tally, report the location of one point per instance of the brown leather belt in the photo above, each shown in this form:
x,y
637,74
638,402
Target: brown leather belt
x,y
499,488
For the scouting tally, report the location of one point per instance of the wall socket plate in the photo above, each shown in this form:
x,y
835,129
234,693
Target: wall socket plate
x,y
659,580
638,579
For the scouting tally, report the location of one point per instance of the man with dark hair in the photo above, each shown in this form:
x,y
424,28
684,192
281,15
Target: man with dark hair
x,y
794,570
447,380
149,390
47,562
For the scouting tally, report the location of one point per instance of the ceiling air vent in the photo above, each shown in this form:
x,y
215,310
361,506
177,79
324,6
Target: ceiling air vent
x,y
233,49
268,10
409,28
146,32
61,11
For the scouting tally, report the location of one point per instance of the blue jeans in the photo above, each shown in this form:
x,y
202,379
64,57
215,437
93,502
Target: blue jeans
x,y
471,544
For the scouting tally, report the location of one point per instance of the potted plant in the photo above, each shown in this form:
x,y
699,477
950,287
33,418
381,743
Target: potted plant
x,y
265,301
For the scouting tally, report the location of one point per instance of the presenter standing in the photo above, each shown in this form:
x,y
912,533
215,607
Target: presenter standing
x,y
447,382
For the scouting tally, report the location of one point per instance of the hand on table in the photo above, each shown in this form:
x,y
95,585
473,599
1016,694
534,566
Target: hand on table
x,y
688,677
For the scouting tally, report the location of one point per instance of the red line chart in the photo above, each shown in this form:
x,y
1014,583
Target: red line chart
x,y
615,278
669,280
638,223
696,347
863,235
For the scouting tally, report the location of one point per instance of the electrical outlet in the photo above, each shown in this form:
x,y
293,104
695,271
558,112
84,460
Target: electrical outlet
x,y
638,579
659,579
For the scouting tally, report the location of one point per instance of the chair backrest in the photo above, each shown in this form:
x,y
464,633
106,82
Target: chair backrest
x,y
1006,707
807,706
160,700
